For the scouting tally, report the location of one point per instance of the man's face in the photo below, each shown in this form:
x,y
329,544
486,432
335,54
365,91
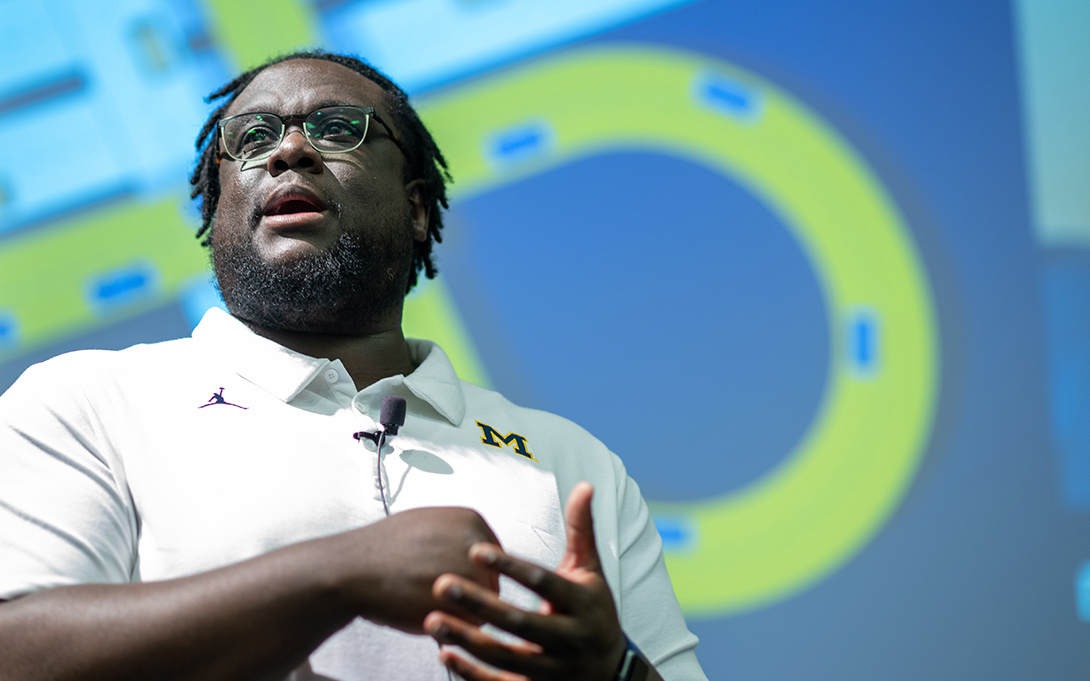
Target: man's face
x,y
309,242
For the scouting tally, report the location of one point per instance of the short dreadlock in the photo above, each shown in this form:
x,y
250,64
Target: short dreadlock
x,y
425,161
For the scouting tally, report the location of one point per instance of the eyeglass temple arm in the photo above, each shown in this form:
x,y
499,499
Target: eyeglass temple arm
x,y
389,131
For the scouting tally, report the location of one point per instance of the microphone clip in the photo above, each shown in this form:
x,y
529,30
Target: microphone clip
x,y
373,437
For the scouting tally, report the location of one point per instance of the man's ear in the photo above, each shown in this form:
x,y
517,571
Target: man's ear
x,y
418,209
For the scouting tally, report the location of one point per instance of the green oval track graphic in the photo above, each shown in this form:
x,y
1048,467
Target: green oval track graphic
x,y
752,546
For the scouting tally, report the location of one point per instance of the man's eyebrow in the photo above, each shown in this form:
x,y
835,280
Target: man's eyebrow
x,y
322,104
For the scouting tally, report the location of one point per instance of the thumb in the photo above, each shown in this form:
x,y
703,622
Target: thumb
x,y
581,551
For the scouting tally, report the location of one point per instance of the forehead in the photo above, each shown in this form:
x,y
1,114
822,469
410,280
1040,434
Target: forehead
x,y
302,85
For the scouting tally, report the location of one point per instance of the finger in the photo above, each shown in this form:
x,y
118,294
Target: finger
x,y
448,590
549,585
473,671
581,551
479,604
519,657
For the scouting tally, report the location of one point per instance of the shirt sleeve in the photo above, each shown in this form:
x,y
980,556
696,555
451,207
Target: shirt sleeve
x,y
66,516
649,610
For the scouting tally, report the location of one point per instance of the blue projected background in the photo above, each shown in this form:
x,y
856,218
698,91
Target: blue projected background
x,y
852,239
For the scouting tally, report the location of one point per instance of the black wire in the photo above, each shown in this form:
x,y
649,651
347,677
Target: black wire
x,y
381,440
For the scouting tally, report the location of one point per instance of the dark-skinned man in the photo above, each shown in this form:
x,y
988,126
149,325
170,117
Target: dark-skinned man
x,y
207,509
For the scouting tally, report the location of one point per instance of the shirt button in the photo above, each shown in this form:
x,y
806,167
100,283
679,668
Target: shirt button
x,y
331,376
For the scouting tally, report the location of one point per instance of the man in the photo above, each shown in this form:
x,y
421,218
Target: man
x,y
212,508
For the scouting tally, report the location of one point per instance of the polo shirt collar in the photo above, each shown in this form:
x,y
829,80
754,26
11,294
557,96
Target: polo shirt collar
x,y
435,380
284,373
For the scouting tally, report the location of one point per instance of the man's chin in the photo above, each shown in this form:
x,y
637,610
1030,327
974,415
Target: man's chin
x,y
344,290
305,306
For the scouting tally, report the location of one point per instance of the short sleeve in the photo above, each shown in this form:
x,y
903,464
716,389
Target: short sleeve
x,y
649,610
66,516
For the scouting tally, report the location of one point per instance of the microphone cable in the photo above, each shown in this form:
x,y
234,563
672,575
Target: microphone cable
x,y
391,417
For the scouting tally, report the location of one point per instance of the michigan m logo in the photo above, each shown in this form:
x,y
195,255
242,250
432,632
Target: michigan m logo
x,y
491,437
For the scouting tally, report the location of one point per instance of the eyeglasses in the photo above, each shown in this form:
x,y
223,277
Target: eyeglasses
x,y
330,130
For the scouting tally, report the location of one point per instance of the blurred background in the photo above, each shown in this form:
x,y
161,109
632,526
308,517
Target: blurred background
x,y
818,271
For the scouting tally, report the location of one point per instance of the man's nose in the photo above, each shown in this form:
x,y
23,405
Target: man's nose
x,y
295,152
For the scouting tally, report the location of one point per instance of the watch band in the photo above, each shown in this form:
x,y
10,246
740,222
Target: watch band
x,y
633,666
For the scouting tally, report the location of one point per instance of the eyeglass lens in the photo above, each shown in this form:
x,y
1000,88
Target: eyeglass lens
x,y
334,129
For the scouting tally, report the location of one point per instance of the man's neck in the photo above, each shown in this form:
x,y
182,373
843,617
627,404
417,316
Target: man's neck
x,y
368,356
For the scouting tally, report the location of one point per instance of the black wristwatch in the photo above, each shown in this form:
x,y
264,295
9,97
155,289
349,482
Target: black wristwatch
x,y
633,666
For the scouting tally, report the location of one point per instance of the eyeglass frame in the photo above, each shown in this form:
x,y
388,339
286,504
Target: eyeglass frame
x,y
368,111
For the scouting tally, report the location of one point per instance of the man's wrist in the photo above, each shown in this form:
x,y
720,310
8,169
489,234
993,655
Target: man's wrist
x,y
633,666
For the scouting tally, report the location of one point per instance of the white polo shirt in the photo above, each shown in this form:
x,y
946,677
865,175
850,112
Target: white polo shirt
x,y
165,460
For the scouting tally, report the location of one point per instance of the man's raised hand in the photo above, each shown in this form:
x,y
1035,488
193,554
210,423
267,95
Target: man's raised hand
x,y
575,635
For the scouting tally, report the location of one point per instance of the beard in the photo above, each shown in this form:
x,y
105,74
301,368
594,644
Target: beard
x,y
347,289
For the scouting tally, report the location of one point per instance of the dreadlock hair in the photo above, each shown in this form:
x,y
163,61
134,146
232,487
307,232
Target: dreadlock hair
x,y
425,161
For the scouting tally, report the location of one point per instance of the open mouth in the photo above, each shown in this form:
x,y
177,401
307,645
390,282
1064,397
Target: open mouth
x,y
294,206
291,203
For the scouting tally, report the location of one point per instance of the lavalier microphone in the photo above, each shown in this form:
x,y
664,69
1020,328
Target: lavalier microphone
x,y
391,417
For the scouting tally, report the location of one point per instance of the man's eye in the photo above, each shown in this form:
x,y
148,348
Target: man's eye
x,y
339,130
256,136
